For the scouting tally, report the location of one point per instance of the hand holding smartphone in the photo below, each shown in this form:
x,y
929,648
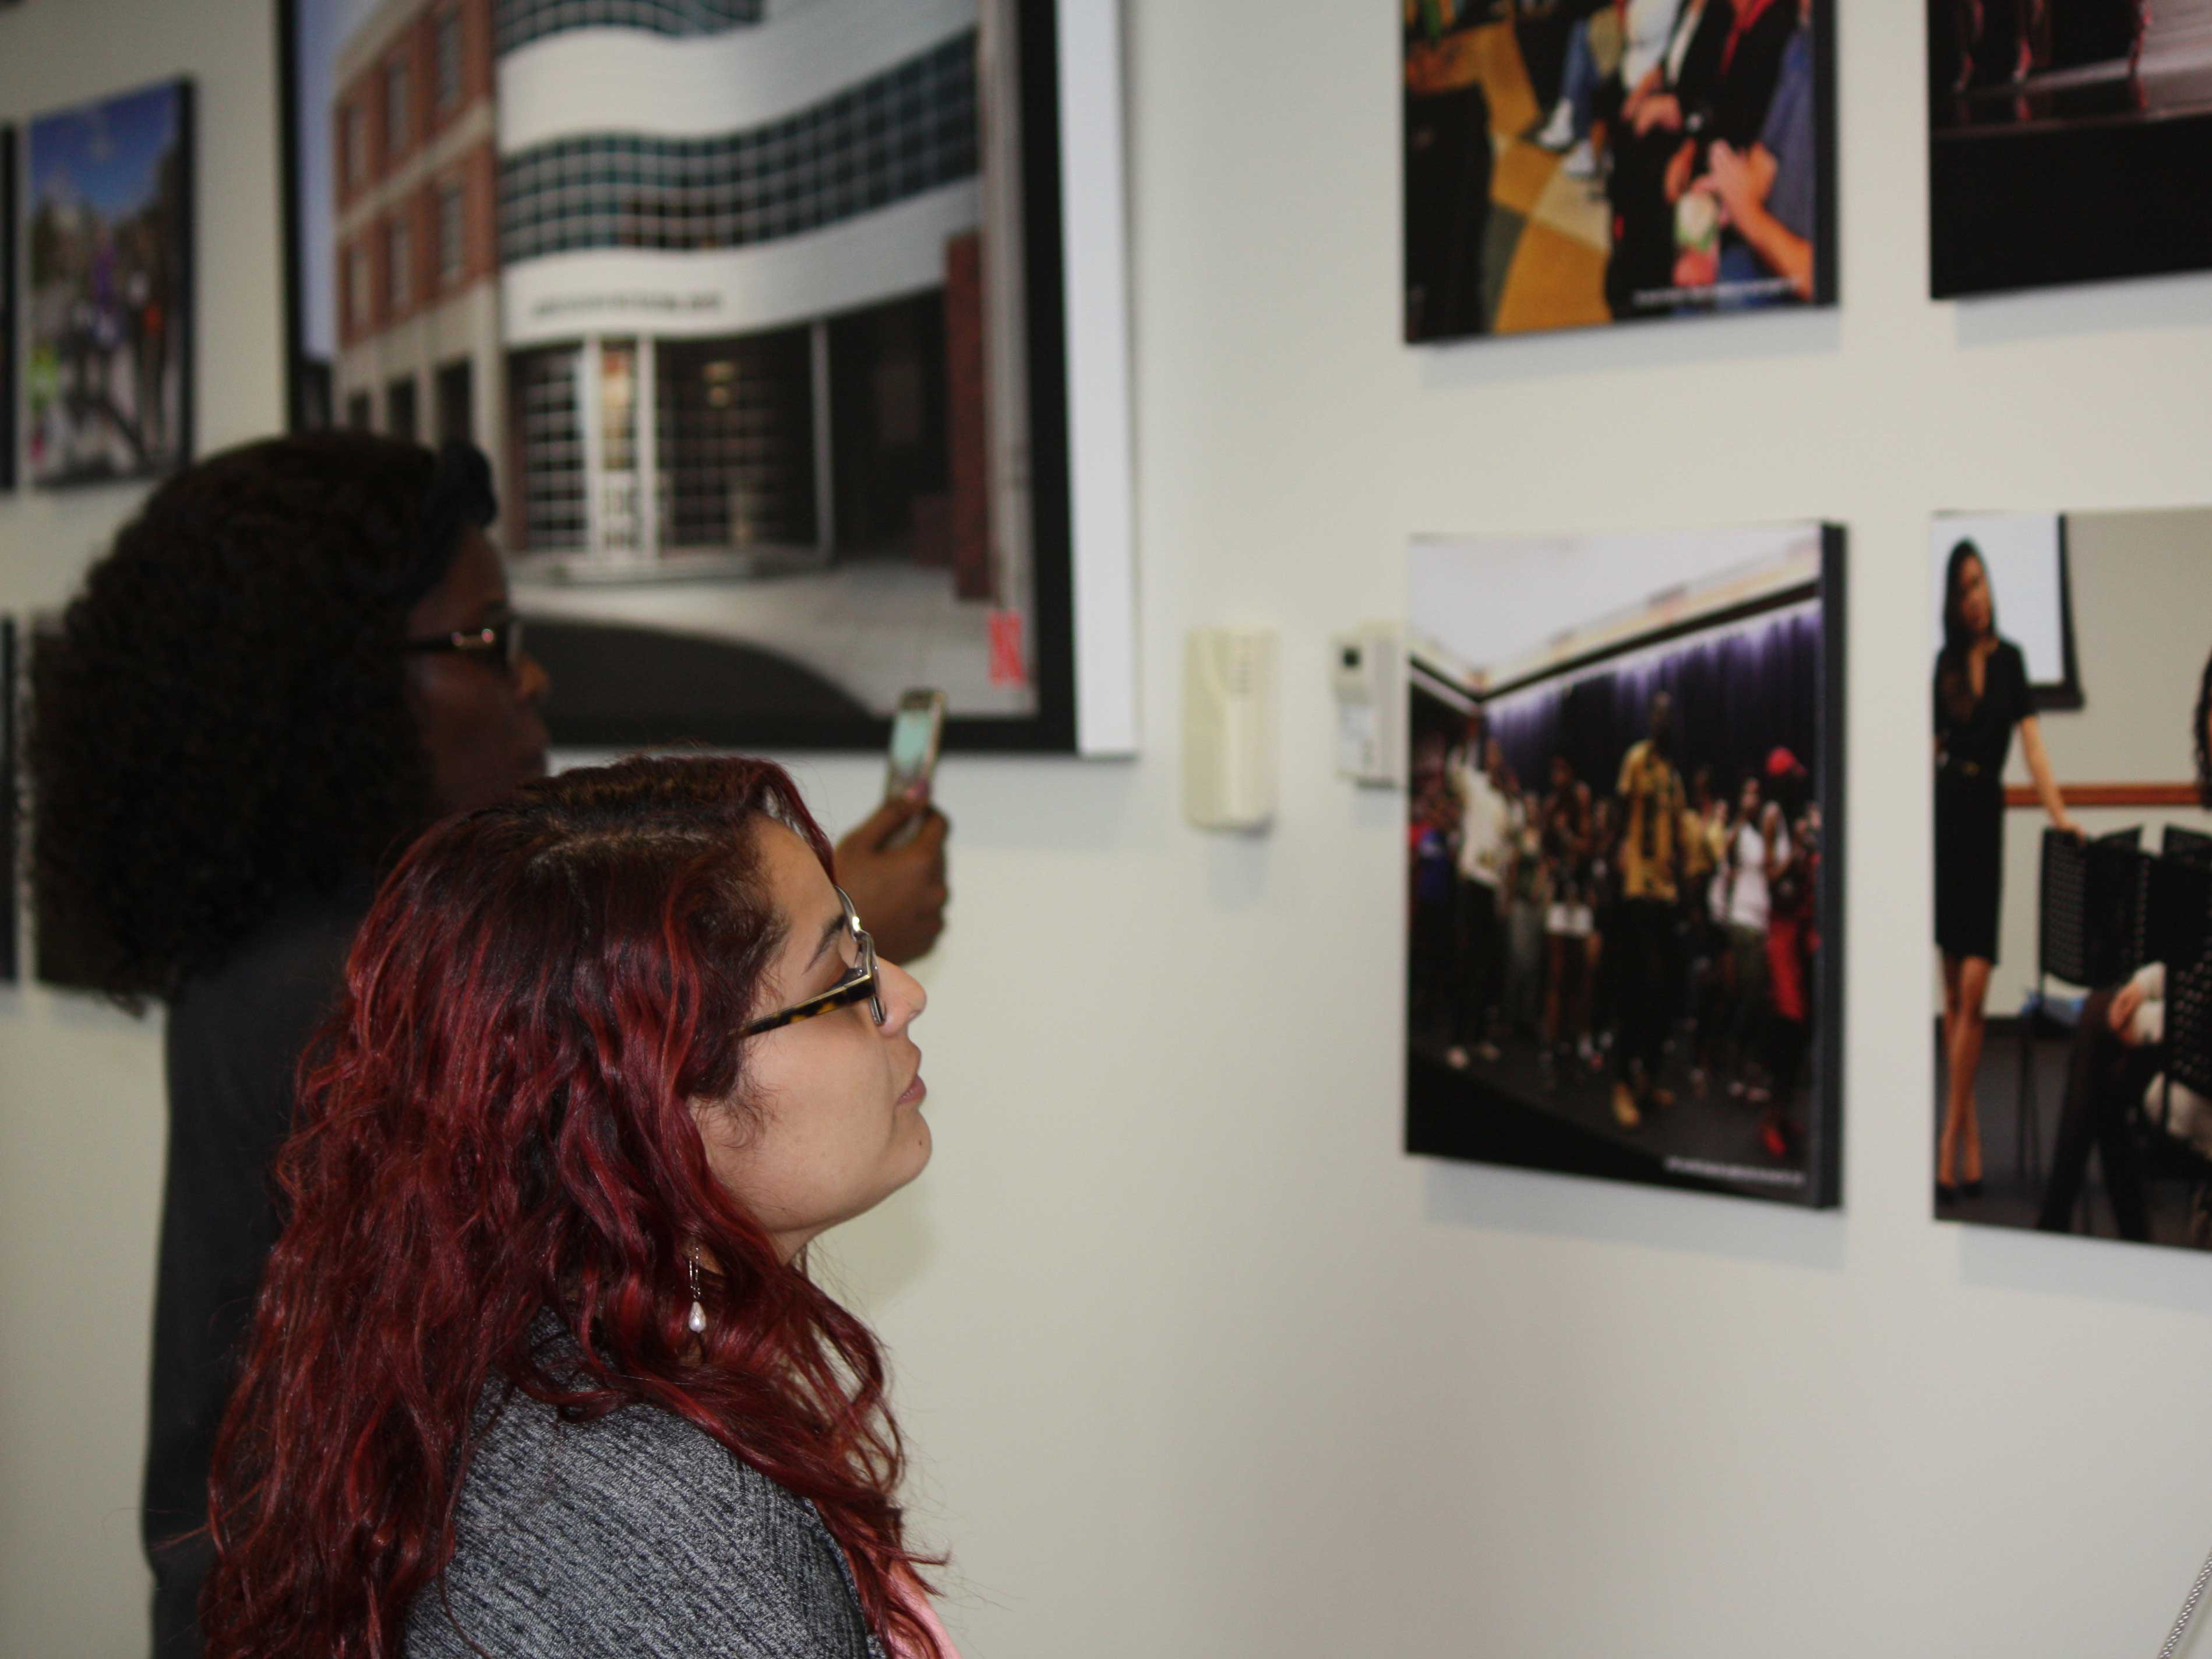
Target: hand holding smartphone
x,y
892,866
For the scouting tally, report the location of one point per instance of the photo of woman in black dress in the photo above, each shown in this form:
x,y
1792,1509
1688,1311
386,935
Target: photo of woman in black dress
x,y
1981,698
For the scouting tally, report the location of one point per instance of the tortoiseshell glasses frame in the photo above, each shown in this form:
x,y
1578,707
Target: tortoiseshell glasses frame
x,y
863,984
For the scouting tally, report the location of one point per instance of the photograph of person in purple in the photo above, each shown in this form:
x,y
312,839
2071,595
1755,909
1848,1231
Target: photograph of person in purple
x,y
109,231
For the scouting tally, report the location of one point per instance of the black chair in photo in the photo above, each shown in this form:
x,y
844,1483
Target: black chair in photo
x,y
2189,1028
2092,900
2176,842
2179,911
2179,936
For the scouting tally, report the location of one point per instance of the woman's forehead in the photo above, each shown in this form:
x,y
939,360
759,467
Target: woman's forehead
x,y
800,886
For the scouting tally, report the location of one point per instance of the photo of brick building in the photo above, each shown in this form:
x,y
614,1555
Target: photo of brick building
x,y
732,292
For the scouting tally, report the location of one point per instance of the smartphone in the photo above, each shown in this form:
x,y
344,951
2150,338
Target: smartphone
x,y
916,730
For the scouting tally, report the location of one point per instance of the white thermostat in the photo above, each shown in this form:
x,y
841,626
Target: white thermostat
x,y
1228,727
1367,668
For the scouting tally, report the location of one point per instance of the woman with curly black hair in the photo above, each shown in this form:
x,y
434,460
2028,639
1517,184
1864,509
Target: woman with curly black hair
x,y
298,655
2200,733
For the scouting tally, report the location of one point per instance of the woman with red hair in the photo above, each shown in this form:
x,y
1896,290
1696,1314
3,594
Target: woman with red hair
x,y
537,1367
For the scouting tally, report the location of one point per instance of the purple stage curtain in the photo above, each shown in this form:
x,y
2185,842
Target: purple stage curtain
x,y
1739,693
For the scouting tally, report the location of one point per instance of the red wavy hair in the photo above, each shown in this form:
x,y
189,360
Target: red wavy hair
x,y
497,1120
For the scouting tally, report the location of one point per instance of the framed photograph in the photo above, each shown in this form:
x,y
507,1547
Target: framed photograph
x,y
1624,856
1579,162
2067,143
108,324
9,319
11,870
66,946
2073,879
795,333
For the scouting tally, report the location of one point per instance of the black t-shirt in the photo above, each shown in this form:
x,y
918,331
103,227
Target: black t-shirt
x,y
1743,87
1975,735
233,1043
1700,63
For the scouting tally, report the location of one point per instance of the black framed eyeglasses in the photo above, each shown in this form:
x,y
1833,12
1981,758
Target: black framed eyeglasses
x,y
861,983
498,643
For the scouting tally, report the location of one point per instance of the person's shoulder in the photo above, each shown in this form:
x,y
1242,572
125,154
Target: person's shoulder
x,y
296,954
235,1033
634,1534
628,1472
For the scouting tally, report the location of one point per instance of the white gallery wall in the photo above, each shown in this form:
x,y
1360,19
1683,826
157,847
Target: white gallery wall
x,y
1193,1362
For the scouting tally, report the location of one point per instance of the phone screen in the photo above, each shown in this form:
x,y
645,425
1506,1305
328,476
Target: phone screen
x,y
913,746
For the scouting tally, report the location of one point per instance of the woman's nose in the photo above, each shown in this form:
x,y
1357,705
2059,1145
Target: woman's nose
x,y
533,683
904,998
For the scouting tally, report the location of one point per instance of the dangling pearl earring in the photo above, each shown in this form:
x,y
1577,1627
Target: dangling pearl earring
x,y
698,1320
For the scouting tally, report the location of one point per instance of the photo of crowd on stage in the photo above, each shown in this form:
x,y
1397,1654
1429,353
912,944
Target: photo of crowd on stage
x,y
1615,928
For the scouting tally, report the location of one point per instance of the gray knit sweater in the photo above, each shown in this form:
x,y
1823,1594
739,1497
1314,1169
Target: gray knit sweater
x,y
634,1537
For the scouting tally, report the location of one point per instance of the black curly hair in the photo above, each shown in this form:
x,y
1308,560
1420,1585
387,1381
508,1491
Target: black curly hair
x,y
220,725
2200,742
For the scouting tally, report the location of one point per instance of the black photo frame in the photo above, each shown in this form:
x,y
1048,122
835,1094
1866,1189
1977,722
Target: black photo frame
x,y
66,946
11,866
623,686
10,320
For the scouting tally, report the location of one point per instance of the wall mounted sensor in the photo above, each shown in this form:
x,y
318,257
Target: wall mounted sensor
x,y
1228,727
1367,668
